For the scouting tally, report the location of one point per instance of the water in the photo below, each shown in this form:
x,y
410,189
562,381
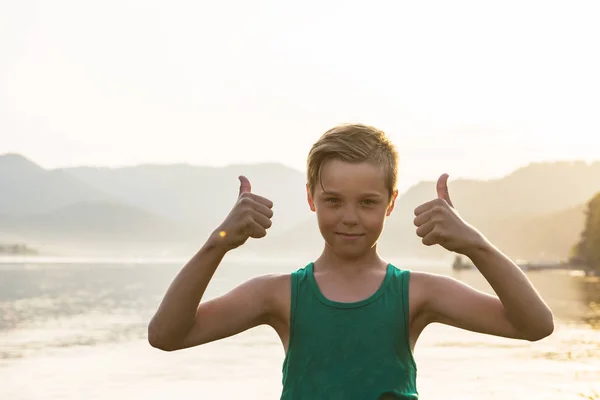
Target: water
x,y
72,330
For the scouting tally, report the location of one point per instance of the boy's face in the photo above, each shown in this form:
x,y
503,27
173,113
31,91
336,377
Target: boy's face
x,y
351,206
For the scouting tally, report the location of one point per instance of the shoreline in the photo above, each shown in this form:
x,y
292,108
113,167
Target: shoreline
x,y
460,264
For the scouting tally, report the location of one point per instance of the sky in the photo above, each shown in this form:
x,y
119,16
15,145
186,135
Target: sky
x,y
475,89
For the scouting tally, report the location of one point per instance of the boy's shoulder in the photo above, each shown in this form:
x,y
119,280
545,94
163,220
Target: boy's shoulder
x,y
421,286
270,290
422,282
274,282
428,290
276,288
275,294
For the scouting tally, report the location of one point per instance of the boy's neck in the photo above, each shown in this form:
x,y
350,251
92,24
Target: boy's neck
x,y
329,261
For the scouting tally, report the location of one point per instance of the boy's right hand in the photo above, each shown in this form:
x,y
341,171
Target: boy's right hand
x,y
250,217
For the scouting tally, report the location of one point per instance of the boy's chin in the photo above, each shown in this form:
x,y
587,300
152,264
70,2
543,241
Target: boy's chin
x,y
350,250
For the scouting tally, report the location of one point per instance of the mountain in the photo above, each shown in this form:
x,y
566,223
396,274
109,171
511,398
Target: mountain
x,y
200,196
99,228
87,206
27,188
97,220
534,195
538,188
535,212
542,237
57,211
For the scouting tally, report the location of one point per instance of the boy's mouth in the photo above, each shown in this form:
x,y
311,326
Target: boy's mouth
x,y
350,235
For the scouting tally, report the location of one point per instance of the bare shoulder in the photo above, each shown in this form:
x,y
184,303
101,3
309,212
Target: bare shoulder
x,y
270,283
277,292
419,287
271,291
429,293
427,288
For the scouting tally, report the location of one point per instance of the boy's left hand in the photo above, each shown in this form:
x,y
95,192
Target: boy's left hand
x,y
439,223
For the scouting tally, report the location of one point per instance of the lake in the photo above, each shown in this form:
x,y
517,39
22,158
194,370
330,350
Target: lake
x,y
73,329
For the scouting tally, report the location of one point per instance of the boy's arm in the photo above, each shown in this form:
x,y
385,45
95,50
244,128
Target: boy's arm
x,y
258,301
181,321
175,316
517,312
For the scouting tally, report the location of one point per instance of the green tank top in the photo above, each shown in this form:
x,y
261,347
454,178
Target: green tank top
x,y
349,351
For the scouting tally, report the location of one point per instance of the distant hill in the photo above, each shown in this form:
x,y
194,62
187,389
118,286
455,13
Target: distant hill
x,y
200,196
536,189
180,204
96,220
549,236
27,188
535,212
98,228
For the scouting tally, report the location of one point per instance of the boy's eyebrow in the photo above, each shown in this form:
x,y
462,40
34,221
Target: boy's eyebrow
x,y
333,193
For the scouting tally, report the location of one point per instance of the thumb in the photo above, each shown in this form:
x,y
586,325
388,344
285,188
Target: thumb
x,y
245,186
442,189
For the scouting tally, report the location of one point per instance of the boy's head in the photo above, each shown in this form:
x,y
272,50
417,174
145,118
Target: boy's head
x,y
351,185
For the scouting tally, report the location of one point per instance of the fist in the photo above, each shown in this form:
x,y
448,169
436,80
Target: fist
x,y
438,222
250,217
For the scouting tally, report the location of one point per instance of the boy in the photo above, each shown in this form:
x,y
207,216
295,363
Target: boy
x,y
349,321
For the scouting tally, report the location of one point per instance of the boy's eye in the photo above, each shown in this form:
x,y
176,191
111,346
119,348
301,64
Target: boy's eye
x,y
335,200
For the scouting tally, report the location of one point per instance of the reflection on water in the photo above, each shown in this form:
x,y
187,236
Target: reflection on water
x,y
590,291
65,305
95,315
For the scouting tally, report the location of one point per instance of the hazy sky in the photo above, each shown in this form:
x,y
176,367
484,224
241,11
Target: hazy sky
x,y
474,89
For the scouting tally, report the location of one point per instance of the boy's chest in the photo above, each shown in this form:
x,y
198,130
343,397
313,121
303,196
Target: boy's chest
x,y
349,290
325,330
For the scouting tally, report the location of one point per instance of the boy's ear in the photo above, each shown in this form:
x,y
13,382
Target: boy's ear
x,y
311,203
392,203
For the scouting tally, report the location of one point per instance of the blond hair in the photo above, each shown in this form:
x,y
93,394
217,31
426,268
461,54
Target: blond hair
x,y
353,143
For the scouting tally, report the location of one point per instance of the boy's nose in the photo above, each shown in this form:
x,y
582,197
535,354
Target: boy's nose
x,y
350,217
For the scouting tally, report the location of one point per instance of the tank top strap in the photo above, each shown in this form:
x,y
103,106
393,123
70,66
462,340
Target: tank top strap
x,y
400,289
